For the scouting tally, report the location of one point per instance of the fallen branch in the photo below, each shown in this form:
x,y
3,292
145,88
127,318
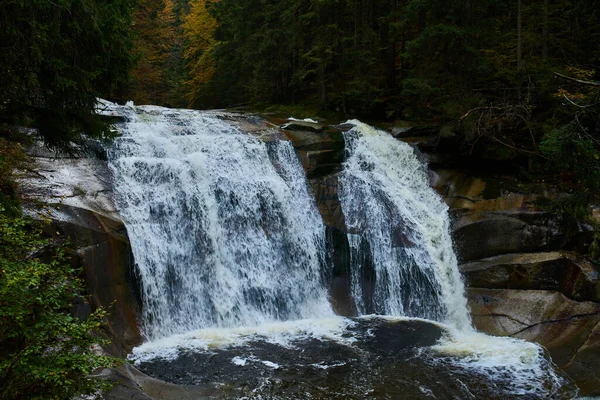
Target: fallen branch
x,y
589,83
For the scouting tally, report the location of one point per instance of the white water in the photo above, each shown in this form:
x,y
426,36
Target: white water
x,y
390,208
282,333
223,230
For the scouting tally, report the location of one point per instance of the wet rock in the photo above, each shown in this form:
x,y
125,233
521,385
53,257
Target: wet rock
x,y
303,126
340,287
325,190
568,329
75,195
319,154
567,273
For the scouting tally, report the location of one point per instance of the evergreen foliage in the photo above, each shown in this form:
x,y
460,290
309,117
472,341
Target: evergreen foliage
x,y
57,58
487,67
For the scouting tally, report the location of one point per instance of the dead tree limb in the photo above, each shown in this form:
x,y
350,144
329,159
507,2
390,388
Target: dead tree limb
x,y
589,83
480,109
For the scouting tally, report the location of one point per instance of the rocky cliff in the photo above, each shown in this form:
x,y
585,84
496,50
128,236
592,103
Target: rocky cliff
x,y
74,194
526,270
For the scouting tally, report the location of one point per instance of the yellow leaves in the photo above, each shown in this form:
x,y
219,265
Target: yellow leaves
x,y
582,92
155,24
199,27
580,73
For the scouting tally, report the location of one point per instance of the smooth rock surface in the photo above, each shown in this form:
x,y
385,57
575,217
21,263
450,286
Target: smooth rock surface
x,y
74,193
568,329
568,273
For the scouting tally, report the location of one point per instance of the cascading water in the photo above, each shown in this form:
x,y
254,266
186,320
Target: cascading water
x,y
403,263
231,254
402,259
223,230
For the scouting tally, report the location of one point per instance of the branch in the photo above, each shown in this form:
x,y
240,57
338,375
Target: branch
x,y
480,109
590,83
578,105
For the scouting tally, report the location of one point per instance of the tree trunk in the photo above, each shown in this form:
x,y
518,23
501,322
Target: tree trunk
x,y
392,47
519,47
422,21
545,33
519,37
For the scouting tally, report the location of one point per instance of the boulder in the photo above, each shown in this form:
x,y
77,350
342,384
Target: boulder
x,y
131,384
568,273
568,329
486,234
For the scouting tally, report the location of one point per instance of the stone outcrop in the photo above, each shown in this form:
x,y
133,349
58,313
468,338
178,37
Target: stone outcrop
x,y
497,215
523,268
568,273
75,195
570,330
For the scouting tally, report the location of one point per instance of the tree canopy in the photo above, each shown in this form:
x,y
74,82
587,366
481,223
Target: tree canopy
x,y
57,58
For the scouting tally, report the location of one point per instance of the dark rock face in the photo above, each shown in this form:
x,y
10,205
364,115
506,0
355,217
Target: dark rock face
x,y
340,289
75,195
568,273
325,190
321,154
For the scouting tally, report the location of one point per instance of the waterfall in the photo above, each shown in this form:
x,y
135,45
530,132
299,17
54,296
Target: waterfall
x,y
231,255
402,260
223,230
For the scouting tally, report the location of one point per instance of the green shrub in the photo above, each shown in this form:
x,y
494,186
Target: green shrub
x,y
45,352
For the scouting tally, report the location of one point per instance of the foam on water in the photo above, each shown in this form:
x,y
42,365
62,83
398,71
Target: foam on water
x,y
283,334
524,366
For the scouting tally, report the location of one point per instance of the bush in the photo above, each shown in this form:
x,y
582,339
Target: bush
x,y
45,352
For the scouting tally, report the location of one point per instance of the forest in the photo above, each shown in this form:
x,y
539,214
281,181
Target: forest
x,y
516,80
